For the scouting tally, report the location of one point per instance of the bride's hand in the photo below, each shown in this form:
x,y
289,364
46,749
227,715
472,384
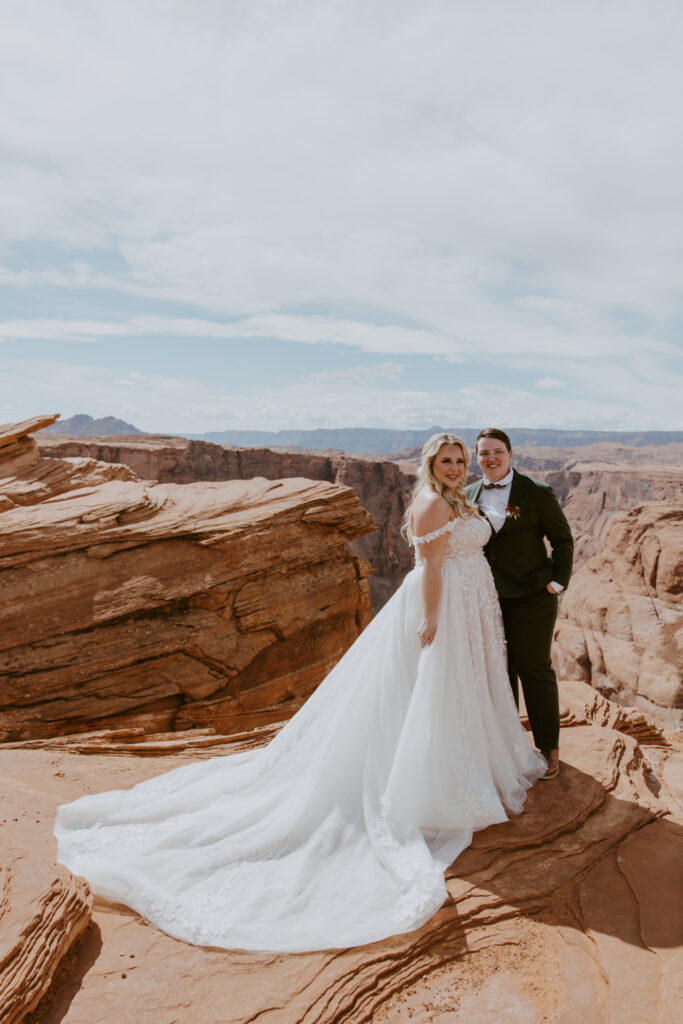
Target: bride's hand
x,y
426,632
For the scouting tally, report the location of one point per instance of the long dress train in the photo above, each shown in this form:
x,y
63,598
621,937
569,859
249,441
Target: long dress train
x,y
338,832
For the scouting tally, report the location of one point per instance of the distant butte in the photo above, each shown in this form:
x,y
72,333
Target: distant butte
x,y
375,441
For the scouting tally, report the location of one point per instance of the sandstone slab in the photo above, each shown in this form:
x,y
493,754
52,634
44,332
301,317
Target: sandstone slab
x,y
44,910
128,603
26,478
497,941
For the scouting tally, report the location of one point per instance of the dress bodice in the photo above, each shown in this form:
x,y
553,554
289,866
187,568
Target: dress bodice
x,y
467,537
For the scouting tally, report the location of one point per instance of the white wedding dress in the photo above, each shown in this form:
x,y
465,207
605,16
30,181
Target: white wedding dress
x,y
338,832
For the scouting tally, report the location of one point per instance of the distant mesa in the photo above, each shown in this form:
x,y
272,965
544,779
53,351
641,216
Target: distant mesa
x,y
373,441
368,440
83,425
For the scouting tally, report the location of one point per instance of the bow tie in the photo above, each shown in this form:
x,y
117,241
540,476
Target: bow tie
x,y
489,487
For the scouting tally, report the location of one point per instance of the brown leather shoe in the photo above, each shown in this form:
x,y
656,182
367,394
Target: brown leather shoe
x,y
552,759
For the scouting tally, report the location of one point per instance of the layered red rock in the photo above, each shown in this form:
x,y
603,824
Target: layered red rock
x,y
133,603
560,911
593,494
548,914
580,704
592,482
620,625
26,478
44,911
381,486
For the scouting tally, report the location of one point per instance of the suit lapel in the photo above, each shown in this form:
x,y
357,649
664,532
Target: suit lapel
x,y
476,490
516,488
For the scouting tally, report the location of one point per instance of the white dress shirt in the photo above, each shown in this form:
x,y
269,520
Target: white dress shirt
x,y
494,501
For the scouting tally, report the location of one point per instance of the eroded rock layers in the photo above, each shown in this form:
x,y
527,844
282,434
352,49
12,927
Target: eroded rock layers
x,y
381,486
44,910
144,625
166,606
620,625
578,888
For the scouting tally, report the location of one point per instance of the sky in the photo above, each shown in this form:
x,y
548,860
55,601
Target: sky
x,y
254,214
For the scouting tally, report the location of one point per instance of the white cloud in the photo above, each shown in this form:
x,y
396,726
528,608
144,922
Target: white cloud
x,y
355,376
511,339
487,181
163,402
549,382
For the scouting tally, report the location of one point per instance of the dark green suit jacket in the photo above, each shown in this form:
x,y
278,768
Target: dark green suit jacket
x,y
517,554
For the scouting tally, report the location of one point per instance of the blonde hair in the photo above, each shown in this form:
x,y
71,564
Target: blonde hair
x,y
425,478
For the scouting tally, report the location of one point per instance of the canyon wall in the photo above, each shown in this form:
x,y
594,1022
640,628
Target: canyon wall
x,y
128,602
594,483
620,625
381,487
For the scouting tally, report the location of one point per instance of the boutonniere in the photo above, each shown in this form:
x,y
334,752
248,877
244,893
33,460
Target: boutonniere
x,y
512,512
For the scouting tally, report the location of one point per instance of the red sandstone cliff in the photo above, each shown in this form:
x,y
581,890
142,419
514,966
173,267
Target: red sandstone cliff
x,y
381,487
129,602
592,482
608,480
592,489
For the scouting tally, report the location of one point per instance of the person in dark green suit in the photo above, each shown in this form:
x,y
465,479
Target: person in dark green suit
x,y
524,513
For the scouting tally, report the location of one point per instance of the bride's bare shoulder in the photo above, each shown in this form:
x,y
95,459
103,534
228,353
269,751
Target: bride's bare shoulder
x,y
430,512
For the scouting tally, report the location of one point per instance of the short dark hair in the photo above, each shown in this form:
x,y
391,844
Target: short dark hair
x,y
499,435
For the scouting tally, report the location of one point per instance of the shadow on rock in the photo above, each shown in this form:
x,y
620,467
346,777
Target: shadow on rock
x,y
68,979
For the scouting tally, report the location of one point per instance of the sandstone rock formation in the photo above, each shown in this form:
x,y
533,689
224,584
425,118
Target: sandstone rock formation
x,y
44,910
150,624
580,704
132,603
382,487
26,478
620,625
592,482
593,493
561,915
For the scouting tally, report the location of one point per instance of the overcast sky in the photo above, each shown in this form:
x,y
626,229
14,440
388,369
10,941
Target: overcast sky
x,y
309,213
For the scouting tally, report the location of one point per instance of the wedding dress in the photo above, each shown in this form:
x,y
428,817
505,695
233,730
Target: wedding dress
x,y
338,832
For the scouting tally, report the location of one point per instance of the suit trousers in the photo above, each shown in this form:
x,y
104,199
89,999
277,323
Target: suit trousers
x,y
529,622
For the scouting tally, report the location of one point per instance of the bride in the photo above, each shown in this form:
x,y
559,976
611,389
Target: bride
x,y
338,832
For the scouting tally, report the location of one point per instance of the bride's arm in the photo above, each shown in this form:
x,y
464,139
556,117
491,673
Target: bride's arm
x,y
428,516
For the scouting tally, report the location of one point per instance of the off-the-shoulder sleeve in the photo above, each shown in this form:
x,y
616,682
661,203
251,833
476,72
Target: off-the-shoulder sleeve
x,y
435,533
